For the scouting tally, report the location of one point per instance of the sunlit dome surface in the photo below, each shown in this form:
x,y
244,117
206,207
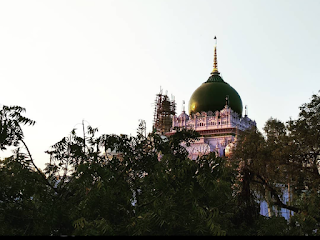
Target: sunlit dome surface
x,y
212,94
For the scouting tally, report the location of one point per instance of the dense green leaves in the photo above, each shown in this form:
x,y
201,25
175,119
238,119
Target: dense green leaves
x,y
117,185
146,185
10,126
284,163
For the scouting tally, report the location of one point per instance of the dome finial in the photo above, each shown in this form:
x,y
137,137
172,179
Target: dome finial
x,y
215,61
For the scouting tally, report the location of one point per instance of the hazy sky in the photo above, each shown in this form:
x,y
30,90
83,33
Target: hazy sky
x,y
104,61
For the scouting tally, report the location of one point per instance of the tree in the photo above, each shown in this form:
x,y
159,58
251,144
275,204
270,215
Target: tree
x,y
137,193
285,159
183,197
24,187
146,185
248,155
304,162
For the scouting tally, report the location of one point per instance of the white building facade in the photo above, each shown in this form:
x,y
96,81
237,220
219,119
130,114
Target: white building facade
x,y
217,130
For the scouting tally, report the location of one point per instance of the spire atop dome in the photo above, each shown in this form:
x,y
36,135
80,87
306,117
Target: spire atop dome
x,y
215,61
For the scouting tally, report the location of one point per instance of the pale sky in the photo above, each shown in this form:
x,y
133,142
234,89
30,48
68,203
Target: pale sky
x,y
104,61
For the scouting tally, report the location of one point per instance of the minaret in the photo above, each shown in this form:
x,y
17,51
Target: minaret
x,y
215,61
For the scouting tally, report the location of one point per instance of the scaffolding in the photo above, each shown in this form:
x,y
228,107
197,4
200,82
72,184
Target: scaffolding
x,y
164,111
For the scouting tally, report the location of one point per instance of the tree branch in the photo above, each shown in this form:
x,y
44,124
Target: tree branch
x,y
38,170
275,195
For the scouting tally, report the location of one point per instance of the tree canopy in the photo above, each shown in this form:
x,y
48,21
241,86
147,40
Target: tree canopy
x,y
146,184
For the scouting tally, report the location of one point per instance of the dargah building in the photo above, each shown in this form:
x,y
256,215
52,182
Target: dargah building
x,y
216,113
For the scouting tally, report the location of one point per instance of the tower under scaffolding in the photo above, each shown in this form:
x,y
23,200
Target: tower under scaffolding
x,y
164,111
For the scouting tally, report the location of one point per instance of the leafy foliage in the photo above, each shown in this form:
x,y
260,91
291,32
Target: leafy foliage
x,y
146,185
10,129
285,161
